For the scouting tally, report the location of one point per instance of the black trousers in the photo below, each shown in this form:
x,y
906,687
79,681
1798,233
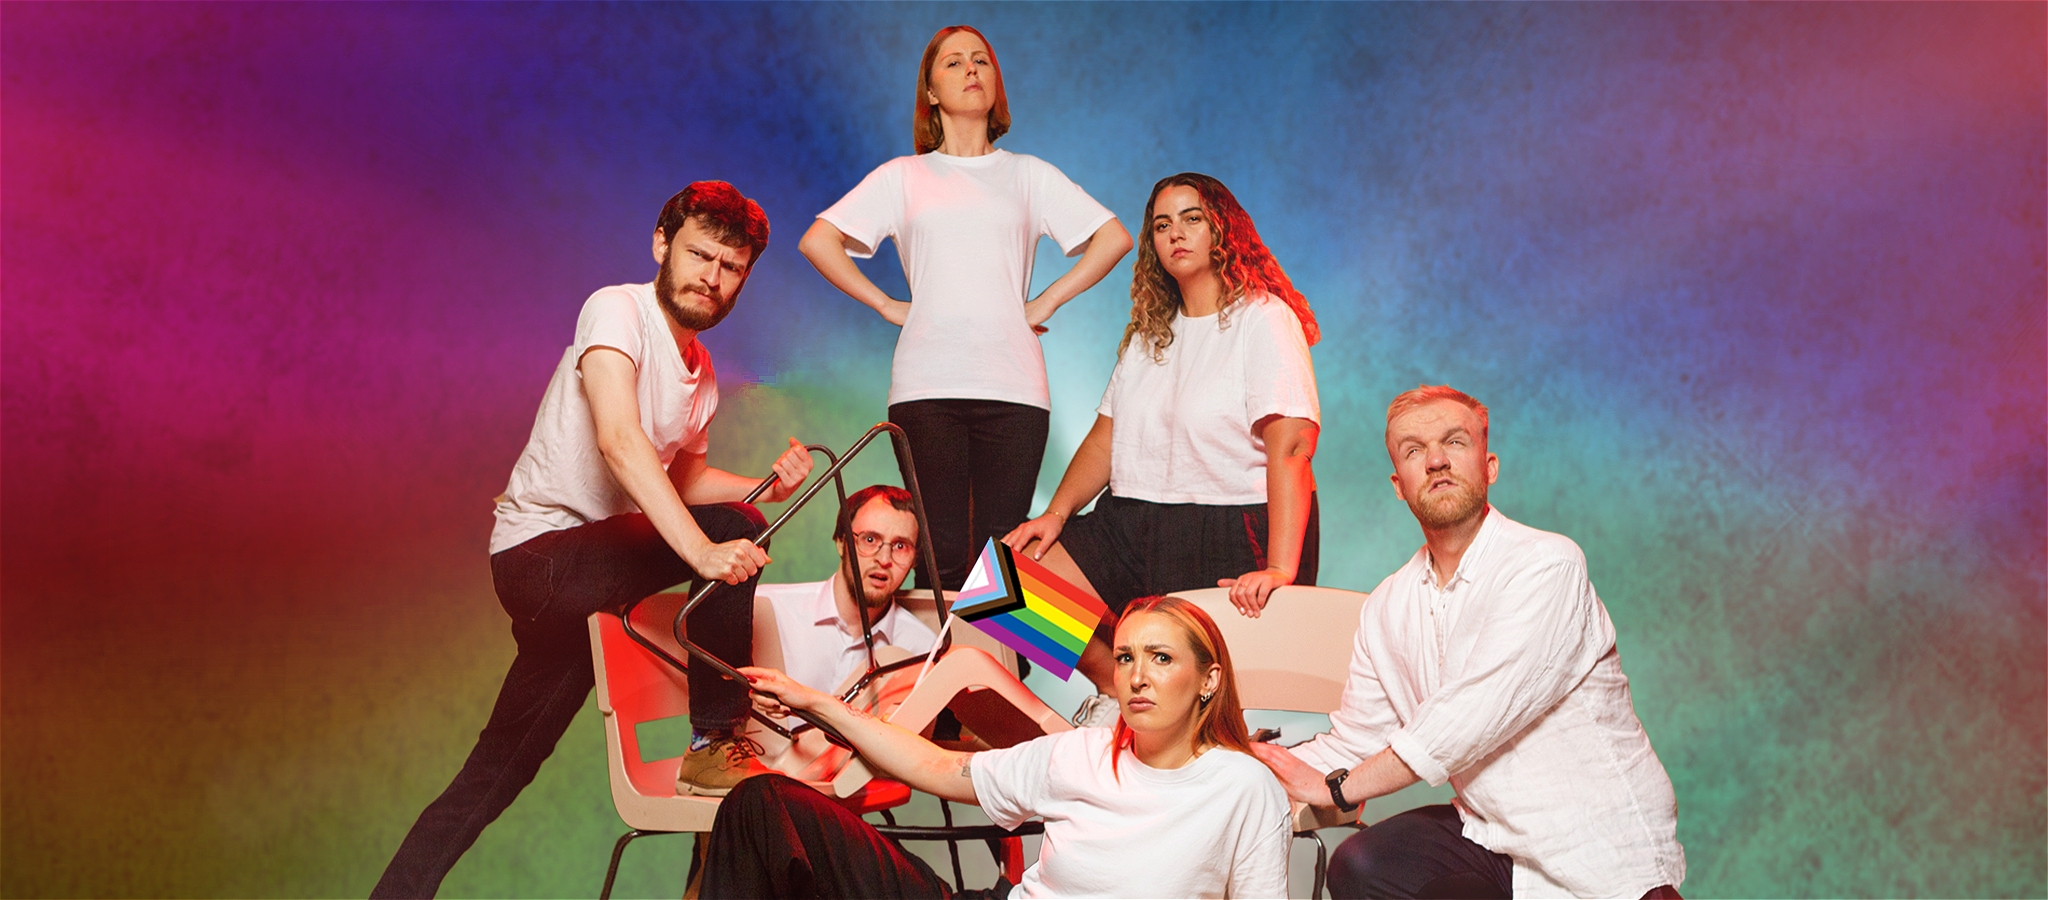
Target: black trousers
x,y
1136,548
977,465
549,586
776,837
1419,853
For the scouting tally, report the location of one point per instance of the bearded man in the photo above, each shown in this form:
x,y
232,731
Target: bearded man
x,y
611,501
1486,661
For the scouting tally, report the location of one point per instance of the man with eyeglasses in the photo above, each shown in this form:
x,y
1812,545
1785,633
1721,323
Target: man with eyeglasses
x,y
819,623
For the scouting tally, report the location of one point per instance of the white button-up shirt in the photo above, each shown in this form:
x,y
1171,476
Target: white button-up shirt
x,y
818,649
1506,683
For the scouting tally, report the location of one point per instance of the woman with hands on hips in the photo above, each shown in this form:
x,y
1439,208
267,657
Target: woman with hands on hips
x,y
1168,803
967,384
1205,434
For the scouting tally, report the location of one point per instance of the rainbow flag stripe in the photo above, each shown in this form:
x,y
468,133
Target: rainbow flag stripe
x,y
1022,604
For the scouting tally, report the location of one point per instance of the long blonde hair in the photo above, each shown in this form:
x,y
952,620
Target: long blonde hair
x,y
927,127
1239,257
1218,722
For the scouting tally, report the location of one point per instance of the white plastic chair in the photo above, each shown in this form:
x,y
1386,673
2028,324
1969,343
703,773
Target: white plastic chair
x,y
1295,657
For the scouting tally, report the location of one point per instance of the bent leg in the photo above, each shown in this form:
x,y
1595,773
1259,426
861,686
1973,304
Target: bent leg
x,y
1418,853
723,625
776,837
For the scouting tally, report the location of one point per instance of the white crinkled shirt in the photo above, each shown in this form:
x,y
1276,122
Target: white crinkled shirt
x,y
1507,684
1215,827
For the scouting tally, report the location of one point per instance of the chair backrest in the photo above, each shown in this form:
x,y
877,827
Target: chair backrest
x,y
635,687
1296,654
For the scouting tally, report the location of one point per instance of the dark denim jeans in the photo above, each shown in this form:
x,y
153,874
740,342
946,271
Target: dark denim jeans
x,y
549,586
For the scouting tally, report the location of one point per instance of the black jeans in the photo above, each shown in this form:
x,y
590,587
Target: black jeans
x,y
1419,853
549,586
977,465
777,837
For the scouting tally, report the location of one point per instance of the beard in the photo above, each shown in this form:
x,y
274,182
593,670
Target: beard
x,y
694,319
1465,500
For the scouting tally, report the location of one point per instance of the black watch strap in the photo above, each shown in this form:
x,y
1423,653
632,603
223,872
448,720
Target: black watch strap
x,y
1336,782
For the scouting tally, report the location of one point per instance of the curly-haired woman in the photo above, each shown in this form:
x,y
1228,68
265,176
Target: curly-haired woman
x,y
968,381
1205,434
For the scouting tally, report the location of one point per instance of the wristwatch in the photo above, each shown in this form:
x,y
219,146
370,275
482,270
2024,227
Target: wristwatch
x,y
1336,782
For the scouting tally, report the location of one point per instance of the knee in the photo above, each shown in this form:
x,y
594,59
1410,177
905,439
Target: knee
x,y
729,521
1362,866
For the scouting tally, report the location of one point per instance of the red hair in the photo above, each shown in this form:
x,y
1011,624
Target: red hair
x,y
1219,722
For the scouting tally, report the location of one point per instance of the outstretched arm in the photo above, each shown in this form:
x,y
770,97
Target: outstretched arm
x,y
1105,249
1086,476
825,246
903,755
1290,482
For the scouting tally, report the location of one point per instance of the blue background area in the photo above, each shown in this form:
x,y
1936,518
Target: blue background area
x,y
1755,292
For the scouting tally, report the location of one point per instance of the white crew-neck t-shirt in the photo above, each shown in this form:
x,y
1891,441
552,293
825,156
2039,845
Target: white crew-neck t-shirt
x,y
561,480
967,229
1216,827
1181,429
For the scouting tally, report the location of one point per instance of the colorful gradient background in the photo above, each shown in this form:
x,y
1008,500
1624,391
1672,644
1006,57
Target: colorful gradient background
x,y
1755,292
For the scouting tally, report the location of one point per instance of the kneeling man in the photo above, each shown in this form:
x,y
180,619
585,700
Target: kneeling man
x,y
820,622
1486,661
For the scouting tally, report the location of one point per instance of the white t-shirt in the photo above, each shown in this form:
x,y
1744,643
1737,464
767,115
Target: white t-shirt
x,y
561,480
967,228
1216,827
817,648
1182,428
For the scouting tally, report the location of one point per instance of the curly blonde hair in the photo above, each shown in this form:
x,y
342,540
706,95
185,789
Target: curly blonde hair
x,y
1237,254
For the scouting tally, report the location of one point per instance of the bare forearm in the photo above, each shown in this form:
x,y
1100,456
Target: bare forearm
x,y
1105,249
719,486
904,755
1378,776
637,469
824,245
1290,483
1087,474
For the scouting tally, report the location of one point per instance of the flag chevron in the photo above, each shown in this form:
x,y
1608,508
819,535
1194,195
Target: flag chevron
x,y
1019,602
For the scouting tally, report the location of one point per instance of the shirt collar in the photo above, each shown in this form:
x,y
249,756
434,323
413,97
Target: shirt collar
x,y
824,612
1474,558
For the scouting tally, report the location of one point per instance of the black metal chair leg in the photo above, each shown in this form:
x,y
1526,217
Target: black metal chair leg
x,y
1322,866
618,851
952,846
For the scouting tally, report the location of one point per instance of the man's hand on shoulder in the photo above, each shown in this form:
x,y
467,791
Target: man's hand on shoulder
x,y
1303,783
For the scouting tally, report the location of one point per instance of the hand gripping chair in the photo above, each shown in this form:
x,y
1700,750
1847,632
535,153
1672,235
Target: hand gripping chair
x,y
636,687
1295,656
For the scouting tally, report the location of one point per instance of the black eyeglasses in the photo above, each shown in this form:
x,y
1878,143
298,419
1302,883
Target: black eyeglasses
x,y
868,543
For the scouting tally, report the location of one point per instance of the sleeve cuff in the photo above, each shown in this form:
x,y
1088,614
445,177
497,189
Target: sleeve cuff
x,y
858,246
1409,748
1088,235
